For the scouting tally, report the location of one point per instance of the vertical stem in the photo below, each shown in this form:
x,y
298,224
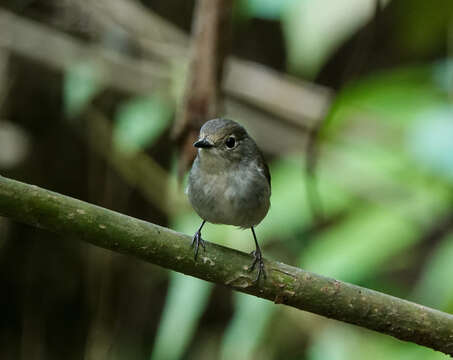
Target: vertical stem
x,y
210,31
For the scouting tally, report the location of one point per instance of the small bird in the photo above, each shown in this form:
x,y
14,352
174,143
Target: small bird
x,y
229,182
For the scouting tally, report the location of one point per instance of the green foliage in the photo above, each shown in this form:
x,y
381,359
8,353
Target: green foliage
x,y
315,29
433,288
265,9
359,246
341,342
186,300
246,329
387,143
81,83
140,121
430,140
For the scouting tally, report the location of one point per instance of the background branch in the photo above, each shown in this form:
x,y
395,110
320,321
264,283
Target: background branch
x,y
300,103
285,284
202,89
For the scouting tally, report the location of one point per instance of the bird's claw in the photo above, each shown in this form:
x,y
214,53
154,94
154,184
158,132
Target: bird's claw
x,y
257,259
197,241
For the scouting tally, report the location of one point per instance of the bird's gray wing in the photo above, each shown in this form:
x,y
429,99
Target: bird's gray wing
x,y
267,172
263,166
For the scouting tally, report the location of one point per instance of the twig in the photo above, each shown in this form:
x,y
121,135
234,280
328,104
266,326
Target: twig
x,y
138,169
311,181
285,284
202,92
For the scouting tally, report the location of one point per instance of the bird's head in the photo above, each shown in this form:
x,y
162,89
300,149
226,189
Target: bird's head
x,y
225,140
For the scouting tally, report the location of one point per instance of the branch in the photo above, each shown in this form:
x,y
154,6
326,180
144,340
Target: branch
x,y
285,284
298,102
57,50
202,88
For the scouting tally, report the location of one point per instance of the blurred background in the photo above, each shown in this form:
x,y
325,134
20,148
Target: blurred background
x,y
352,103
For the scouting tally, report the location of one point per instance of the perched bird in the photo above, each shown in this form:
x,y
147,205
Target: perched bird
x,y
229,182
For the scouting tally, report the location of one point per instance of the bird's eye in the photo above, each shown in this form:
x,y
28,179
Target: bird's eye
x,y
230,142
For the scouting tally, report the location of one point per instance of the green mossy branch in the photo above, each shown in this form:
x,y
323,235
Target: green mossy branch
x,y
284,284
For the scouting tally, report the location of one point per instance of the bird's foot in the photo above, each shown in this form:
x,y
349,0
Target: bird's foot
x,y
257,259
197,241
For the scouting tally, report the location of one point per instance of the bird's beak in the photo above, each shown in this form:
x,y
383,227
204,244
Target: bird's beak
x,y
203,143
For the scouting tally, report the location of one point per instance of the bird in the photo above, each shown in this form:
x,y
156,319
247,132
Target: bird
x,y
229,182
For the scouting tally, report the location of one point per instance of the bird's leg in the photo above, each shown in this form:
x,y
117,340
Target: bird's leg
x,y
197,240
258,259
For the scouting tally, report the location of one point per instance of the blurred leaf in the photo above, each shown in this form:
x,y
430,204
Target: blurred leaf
x,y
140,121
246,329
398,204
81,83
357,247
332,344
443,74
186,300
315,29
290,210
14,144
265,9
434,288
344,342
389,100
431,140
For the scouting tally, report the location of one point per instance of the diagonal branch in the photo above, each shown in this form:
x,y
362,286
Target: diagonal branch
x,y
285,284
